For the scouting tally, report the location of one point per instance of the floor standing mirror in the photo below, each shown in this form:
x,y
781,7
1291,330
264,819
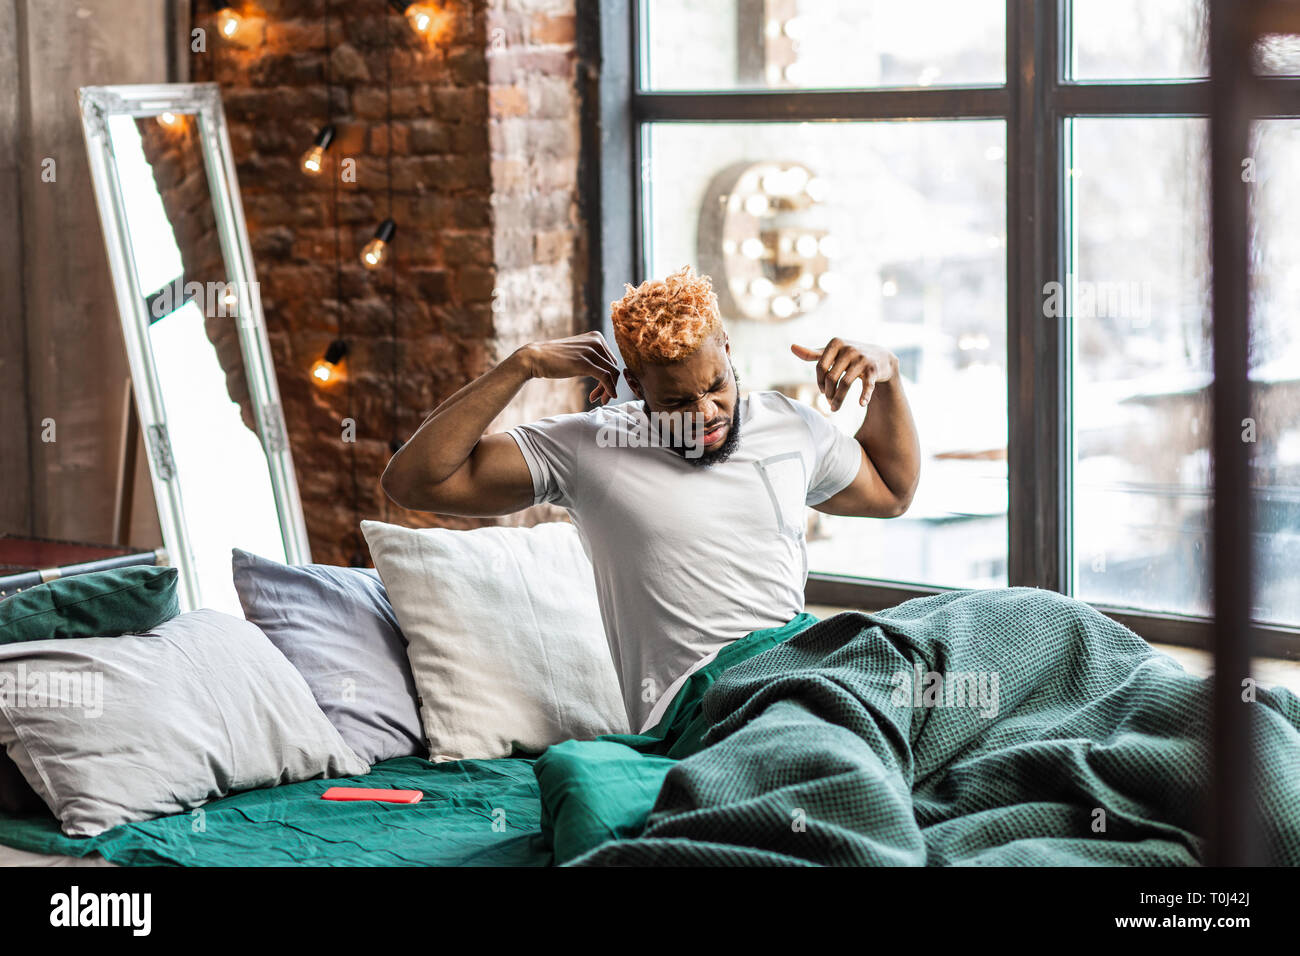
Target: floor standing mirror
x,y
195,335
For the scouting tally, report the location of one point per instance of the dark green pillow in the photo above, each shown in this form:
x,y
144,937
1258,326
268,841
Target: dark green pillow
x,y
98,604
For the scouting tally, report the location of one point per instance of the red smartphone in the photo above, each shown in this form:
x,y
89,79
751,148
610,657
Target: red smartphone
x,y
362,793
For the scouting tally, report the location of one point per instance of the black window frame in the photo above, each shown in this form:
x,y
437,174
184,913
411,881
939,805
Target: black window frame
x,y
1036,104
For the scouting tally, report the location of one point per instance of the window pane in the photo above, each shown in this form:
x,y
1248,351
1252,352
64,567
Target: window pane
x,y
1139,39
1158,40
1141,320
1142,344
808,44
908,249
1275,368
1278,55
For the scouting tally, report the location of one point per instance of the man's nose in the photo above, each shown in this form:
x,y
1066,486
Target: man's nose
x,y
706,410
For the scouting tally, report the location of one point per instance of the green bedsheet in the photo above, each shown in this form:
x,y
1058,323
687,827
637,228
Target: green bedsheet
x,y
474,813
1092,748
603,789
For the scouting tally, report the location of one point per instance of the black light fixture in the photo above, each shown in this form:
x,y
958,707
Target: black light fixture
x,y
313,161
329,369
376,250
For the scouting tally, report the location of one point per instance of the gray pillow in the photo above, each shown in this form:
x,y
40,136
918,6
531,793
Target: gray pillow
x,y
116,731
337,628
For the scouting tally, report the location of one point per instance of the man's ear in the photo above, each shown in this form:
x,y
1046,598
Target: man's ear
x,y
634,383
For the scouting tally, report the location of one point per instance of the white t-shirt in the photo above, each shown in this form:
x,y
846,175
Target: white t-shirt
x,y
687,558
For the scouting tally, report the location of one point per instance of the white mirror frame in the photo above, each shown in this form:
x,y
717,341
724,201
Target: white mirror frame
x,y
203,102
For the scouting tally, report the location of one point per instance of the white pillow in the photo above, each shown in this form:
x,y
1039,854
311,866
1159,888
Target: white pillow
x,y
504,636
130,728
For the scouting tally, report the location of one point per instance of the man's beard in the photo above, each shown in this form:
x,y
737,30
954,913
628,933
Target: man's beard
x,y
728,447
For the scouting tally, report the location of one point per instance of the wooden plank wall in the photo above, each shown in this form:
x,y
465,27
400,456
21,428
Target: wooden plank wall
x,y
61,352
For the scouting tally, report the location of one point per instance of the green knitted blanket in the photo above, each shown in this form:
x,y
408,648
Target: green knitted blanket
x,y
976,727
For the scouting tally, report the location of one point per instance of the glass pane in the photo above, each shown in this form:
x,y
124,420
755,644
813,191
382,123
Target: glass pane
x,y
1138,39
1141,319
1140,301
892,233
809,44
1278,55
1275,367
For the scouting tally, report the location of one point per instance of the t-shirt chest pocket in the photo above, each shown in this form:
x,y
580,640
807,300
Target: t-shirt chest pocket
x,y
786,483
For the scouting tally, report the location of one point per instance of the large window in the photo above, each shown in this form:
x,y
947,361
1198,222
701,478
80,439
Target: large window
x,y
1013,196
910,220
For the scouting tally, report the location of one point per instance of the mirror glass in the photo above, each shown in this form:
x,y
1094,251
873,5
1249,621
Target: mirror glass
x,y
191,315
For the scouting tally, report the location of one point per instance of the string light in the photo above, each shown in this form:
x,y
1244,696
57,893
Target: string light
x,y
228,22
376,250
329,368
313,161
421,16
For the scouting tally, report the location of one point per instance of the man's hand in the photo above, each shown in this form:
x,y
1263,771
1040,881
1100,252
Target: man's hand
x,y
841,363
579,356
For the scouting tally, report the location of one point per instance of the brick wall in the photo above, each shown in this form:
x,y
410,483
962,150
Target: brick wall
x,y
485,144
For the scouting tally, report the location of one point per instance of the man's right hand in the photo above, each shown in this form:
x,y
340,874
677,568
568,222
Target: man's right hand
x,y
578,356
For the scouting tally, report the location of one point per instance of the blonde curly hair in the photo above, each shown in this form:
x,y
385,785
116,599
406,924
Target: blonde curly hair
x,y
665,320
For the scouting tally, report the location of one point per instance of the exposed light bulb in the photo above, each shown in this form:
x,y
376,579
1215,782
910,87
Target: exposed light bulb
x,y
313,161
329,368
376,250
421,17
170,120
228,22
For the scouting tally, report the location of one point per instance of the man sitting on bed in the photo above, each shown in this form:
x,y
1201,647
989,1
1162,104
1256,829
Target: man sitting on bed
x,y
696,539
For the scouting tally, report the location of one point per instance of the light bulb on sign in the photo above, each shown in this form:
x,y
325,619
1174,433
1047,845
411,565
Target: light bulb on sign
x,y
376,250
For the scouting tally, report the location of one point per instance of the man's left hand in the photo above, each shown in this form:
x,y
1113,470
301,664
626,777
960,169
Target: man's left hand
x,y
841,363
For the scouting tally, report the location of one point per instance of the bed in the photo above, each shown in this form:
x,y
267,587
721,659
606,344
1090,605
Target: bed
x,y
840,741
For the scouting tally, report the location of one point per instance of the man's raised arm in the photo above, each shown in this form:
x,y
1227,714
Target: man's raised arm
x,y
891,451
450,467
